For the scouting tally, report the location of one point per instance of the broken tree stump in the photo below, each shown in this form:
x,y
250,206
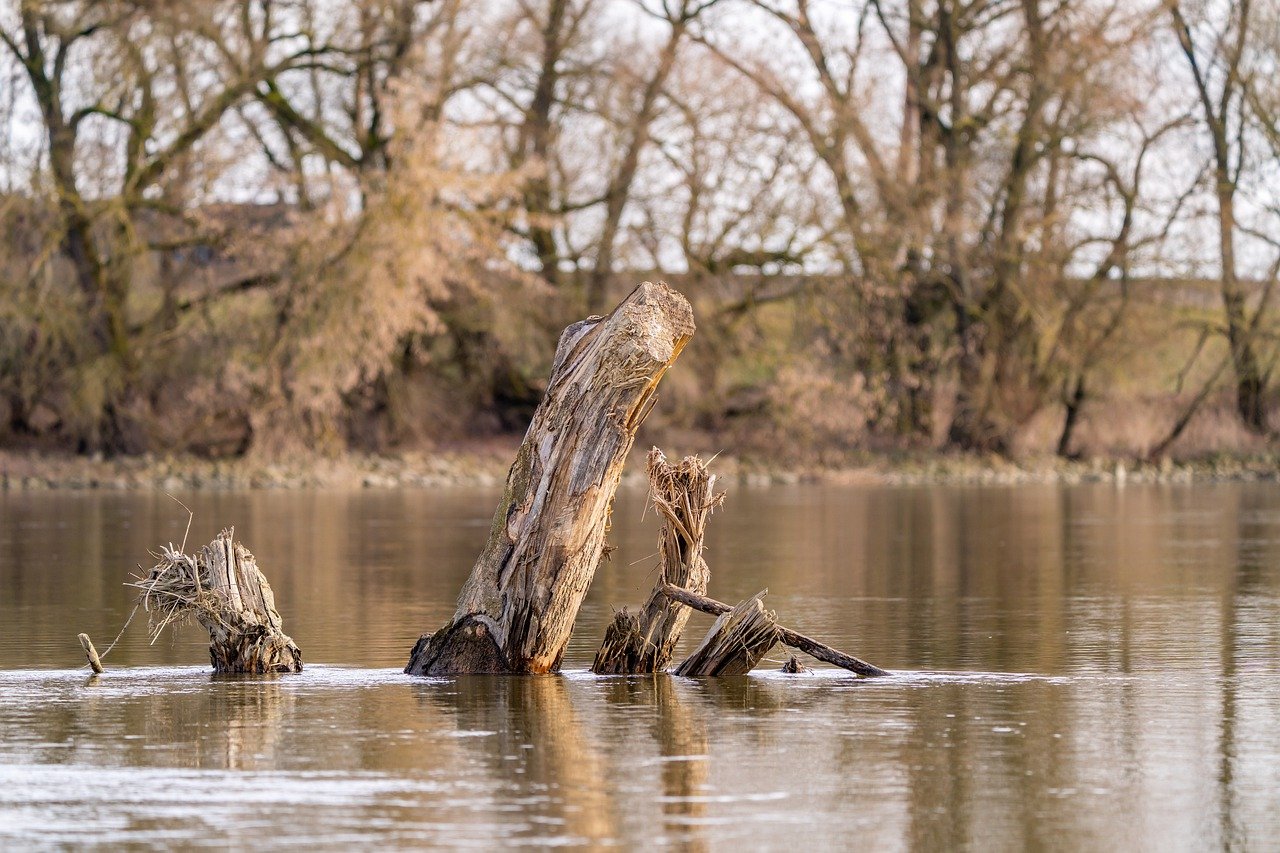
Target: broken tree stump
x,y
786,636
737,641
517,609
222,587
683,494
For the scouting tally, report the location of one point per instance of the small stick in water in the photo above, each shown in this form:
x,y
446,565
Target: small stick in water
x,y
92,654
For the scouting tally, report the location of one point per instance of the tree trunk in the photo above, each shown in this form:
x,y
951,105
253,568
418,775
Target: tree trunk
x,y
1074,403
246,634
736,642
1250,384
230,598
517,609
683,494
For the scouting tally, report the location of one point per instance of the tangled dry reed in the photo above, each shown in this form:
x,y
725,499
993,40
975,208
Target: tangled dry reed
x,y
175,590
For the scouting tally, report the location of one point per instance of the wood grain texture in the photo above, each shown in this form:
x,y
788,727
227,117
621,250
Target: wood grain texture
x,y
786,636
548,532
246,632
737,641
684,496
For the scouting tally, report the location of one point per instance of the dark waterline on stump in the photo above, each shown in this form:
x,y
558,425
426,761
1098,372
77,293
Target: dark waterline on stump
x,y
1118,651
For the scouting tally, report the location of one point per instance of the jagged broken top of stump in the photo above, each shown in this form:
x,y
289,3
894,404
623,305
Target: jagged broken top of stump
x,y
222,588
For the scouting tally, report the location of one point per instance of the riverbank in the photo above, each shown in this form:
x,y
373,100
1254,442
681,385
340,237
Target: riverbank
x,y
485,464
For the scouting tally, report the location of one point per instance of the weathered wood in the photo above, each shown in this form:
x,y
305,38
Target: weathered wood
x,y
786,636
230,597
95,663
737,641
684,496
793,666
548,531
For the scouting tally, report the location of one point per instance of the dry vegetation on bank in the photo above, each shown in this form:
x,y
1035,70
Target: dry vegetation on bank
x,y
244,231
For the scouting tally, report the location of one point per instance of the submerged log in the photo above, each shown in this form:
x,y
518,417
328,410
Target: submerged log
x,y
222,587
517,609
793,666
737,641
786,636
684,496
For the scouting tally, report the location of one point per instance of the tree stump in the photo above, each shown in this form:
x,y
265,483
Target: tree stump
x,y
684,496
736,642
517,609
230,598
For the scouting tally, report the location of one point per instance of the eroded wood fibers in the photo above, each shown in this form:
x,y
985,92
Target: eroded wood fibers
x,y
230,597
684,496
786,636
548,532
737,641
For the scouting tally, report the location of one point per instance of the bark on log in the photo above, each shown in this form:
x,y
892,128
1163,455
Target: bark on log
x,y
517,609
684,496
230,598
786,636
737,641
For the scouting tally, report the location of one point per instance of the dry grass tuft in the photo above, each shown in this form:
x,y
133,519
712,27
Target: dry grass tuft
x,y
175,590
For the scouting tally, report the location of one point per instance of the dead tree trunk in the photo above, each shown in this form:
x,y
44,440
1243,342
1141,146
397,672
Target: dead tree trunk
x,y
230,598
737,641
517,609
786,636
684,495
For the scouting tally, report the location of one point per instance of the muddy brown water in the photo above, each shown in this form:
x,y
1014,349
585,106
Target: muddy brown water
x,y
1088,667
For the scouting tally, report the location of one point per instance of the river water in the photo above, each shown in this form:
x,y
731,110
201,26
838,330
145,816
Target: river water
x,y
1089,667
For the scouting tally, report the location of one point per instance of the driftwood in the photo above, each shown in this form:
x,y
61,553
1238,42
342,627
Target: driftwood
x,y
517,609
95,663
737,641
684,496
786,636
793,666
222,587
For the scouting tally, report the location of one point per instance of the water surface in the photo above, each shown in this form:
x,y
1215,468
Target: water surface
x,y
1085,667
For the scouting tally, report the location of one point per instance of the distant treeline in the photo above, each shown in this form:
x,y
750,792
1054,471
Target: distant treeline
x,y
991,225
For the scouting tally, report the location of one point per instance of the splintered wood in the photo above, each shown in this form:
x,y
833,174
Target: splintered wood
x,y
222,587
736,642
517,609
684,496
786,636
644,643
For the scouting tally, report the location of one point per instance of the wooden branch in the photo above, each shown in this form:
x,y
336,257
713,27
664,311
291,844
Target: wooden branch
x,y
684,495
739,640
786,636
548,532
95,663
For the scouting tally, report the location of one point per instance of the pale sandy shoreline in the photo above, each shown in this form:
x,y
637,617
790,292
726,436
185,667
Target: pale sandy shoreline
x,y
485,466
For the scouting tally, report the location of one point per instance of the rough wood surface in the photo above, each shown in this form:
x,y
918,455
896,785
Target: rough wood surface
x,y
222,587
548,532
737,641
684,495
246,633
786,636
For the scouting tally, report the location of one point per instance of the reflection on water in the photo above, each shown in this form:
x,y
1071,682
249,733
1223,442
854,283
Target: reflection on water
x,y
1085,667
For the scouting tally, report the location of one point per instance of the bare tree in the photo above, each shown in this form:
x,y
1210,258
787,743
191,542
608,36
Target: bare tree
x,y
101,66
1216,59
